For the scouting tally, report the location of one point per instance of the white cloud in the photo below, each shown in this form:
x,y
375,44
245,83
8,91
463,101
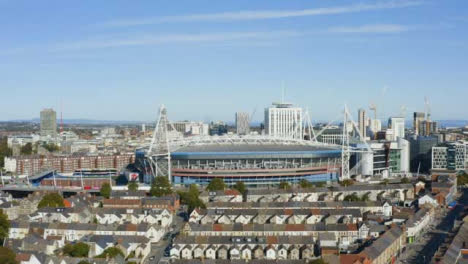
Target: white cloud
x,y
174,38
377,28
267,14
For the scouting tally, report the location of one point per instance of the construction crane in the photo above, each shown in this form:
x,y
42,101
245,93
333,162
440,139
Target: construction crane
x,y
427,109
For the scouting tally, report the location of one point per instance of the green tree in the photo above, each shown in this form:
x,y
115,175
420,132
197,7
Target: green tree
x,y
51,147
284,185
462,179
7,256
405,180
5,151
216,184
385,182
161,187
4,226
347,182
83,262
240,186
78,250
191,198
51,200
105,190
27,149
305,184
132,186
111,252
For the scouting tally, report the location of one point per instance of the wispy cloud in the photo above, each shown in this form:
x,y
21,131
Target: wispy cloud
x,y
174,38
267,14
377,28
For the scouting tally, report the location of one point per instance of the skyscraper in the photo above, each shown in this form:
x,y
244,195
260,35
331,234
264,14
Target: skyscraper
x,y
397,124
242,123
418,117
362,122
284,120
48,122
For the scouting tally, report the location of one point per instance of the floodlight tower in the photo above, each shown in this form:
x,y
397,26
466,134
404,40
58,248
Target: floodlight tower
x,y
159,153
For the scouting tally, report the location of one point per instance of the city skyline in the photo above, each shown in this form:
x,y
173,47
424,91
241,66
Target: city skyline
x,y
390,53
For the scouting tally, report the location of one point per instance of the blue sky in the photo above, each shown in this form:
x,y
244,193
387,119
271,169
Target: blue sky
x,y
205,60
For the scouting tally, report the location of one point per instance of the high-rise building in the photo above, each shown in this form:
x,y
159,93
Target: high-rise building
x,y
375,126
242,123
420,152
397,124
362,122
417,118
451,156
48,122
427,127
284,120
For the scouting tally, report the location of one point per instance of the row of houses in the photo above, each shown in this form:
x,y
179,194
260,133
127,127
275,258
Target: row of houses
x,y
345,234
245,248
383,250
275,216
372,192
105,216
374,207
76,231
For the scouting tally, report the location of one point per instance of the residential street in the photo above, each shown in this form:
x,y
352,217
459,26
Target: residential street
x,y
158,249
422,250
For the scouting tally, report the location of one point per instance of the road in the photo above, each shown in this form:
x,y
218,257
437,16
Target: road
x,y
157,249
424,249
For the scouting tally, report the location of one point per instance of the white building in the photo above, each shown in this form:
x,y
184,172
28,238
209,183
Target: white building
x,y
284,120
397,124
362,122
192,128
242,123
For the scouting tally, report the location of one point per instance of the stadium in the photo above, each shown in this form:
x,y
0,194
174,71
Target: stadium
x,y
254,164
256,160
253,160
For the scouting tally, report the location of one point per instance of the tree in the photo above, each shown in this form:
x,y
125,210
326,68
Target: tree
x,y
78,250
51,200
7,256
385,182
365,197
191,198
462,179
26,149
161,187
240,186
111,252
5,151
346,182
132,186
305,184
4,226
83,262
216,184
51,147
405,180
284,185
106,190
